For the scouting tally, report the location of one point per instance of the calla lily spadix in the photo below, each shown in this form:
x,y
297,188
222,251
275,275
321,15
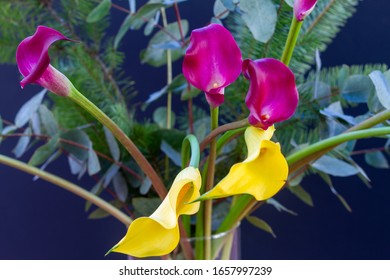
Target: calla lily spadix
x,y
262,174
272,96
158,234
33,61
212,61
302,8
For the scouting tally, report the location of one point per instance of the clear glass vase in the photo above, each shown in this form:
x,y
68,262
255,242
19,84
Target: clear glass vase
x,y
223,246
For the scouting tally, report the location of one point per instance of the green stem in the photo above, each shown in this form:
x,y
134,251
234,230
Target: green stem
x,y
190,141
210,183
104,205
334,141
233,126
291,40
139,158
169,93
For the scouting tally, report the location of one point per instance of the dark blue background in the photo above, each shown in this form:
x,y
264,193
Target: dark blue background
x,y
41,221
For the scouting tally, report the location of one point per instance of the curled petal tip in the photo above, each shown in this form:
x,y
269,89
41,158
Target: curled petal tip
x,y
302,8
212,61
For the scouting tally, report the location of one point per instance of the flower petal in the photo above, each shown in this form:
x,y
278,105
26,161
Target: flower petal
x,y
212,61
146,237
302,8
261,175
158,234
272,96
33,61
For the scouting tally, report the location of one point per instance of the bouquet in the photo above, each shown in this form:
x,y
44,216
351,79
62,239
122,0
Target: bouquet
x,y
245,116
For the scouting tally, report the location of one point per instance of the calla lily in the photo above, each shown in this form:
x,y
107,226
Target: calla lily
x,y
272,96
212,61
261,175
302,8
158,234
33,61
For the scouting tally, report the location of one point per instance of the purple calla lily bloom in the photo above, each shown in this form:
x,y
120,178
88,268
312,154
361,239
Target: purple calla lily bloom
x,y
33,61
212,61
272,96
303,8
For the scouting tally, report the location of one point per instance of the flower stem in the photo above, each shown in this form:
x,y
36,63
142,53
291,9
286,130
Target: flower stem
x,y
291,40
210,183
169,93
334,141
238,125
139,158
69,186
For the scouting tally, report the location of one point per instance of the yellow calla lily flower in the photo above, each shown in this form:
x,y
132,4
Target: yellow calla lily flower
x,y
262,174
158,234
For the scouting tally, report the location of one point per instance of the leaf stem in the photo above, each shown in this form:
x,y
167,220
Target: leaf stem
x,y
291,40
139,158
210,183
69,186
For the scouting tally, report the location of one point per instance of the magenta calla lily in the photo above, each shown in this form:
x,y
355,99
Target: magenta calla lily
x,y
212,61
272,96
302,8
33,61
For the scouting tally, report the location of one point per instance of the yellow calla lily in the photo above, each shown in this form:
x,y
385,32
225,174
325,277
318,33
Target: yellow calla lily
x,y
158,234
262,174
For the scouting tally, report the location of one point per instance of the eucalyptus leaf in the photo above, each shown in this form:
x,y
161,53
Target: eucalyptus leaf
x,y
334,166
100,213
75,165
157,56
219,9
145,206
120,186
22,144
178,83
341,199
78,137
36,123
109,175
93,163
48,121
382,88
99,11
191,93
145,186
160,117
376,159
261,224
112,144
278,206
357,89
8,129
44,152
302,194
229,4
260,16
172,154
26,112
137,20
154,96
52,158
